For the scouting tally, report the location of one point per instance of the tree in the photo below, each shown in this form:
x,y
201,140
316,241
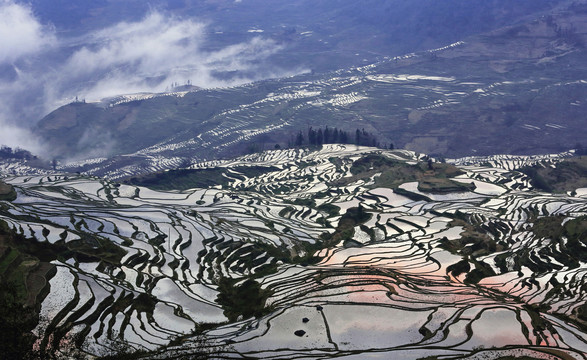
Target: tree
x,y
246,299
343,137
312,136
6,151
327,135
334,136
319,137
299,139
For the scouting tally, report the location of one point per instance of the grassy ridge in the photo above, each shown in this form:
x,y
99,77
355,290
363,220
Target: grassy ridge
x,y
568,175
432,177
183,179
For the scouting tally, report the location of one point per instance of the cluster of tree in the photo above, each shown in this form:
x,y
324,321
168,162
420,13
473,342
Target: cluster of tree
x,y
175,85
7,152
335,136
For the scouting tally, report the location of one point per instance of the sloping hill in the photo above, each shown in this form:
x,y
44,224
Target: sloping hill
x,y
518,90
7,192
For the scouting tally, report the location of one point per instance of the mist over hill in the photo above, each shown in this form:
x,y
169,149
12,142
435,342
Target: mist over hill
x,y
519,89
61,50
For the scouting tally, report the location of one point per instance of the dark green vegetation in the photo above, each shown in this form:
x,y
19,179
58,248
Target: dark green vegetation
x,y
567,175
248,258
570,236
568,246
88,248
16,323
184,179
256,248
443,185
334,136
24,265
7,192
7,152
244,299
432,177
582,313
474,242
24,283
345,229
25,271
566,243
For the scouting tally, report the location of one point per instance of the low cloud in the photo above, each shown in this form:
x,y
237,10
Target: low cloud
x,y
150,54
20,32
17,137
155,44
22,38
42,71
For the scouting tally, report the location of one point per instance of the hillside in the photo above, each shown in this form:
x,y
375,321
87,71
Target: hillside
x,y
325,243
566,176
517,90
7,192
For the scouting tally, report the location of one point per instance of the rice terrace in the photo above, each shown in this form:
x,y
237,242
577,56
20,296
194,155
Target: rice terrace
x,y
323,246
293,179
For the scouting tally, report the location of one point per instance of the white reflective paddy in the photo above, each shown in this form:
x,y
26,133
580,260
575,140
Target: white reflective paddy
x,y
389,297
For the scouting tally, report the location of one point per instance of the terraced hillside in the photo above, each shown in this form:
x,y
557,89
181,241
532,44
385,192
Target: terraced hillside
x,y
320,255
516,90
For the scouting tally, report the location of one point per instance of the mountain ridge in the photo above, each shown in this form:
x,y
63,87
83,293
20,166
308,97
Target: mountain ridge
x,y
463,99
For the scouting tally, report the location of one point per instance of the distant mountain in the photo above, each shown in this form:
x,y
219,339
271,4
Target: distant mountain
x,y
520,89
319,34
96,49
